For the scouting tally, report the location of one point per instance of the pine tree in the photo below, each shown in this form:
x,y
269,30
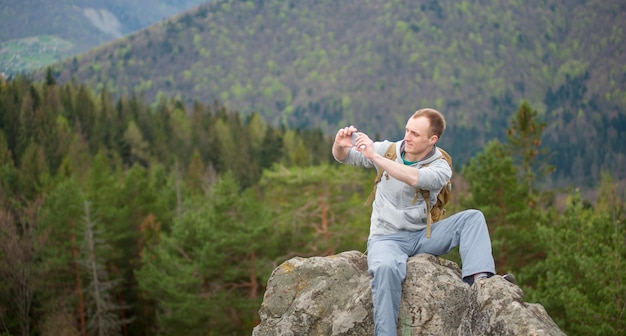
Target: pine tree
x,y
208,273
34,174
296,154
61,288
139,150
8,174
524,136
196,179
495,190
86,117
581,283
319,209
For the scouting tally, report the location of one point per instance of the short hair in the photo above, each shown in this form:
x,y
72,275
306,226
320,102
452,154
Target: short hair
x,y
436,119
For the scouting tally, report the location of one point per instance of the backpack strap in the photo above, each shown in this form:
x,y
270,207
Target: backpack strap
x,y
429,219
391,155
426,196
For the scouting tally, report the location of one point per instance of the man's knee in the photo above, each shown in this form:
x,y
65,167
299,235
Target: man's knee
x,y
476,216
388,272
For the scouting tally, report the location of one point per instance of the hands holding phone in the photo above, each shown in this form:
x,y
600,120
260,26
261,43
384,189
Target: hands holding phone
x,y
355,136
348,138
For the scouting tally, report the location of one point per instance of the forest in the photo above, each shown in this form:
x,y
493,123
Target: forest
x,y
322,64
120,217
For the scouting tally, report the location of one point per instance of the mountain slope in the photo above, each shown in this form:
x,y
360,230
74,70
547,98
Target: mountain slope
x,y
331,63
35,33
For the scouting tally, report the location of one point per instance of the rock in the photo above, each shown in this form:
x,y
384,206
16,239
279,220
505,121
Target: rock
x,y
332,296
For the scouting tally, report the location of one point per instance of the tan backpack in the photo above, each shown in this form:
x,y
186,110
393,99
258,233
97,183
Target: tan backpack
x,y
443,197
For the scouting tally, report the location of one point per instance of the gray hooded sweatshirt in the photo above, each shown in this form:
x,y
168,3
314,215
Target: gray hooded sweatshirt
x,y
393,209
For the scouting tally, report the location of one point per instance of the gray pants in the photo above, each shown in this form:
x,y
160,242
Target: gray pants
x,y
387,256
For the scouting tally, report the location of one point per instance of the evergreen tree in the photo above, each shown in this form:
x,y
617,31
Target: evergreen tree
x,y
320,209
180,144
235,151
106,131
581,283
163,133
524,136
77,161
495,190
33,173
256,129
49,138
196,179
271,148
62,142
61,287
206,275
139,150
295,151
8,174
11,96
86,117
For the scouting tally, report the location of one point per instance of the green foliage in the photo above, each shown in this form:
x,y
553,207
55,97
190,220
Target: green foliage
x,y
60,236
198,207
26,54
524,145
495,190
8,173
56,31
306,66
320,208
503,184
34,171
206,274
581,281
570,263
149,174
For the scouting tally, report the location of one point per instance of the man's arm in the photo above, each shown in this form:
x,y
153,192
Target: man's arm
x,y
406,174
399,171
343,143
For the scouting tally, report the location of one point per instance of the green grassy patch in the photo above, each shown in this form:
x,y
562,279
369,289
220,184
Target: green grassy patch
x,y
31,53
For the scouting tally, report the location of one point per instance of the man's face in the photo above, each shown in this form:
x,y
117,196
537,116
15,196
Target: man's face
x,y
417,138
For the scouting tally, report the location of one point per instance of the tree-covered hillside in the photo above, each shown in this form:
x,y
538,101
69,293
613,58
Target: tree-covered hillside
x,y
371,63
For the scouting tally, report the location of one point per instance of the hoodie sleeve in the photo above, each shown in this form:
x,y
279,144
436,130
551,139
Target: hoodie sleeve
x,y
435,175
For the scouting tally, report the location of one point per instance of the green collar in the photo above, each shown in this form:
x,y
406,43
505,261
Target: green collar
x,y
407,163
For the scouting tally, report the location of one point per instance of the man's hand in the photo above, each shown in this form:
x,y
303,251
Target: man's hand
x,y
343,138
344,141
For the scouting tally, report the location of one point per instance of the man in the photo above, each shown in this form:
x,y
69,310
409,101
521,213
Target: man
x,y
397,222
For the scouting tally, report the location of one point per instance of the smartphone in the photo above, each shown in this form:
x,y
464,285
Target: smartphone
x,y
354,136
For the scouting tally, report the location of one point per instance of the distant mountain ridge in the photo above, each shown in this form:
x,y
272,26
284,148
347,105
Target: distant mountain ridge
x,y
331,63
36,33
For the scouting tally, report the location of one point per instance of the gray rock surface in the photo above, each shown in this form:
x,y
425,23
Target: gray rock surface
x,y
332,296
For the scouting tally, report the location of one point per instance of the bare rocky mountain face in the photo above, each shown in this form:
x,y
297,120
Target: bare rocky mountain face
x,y
332,296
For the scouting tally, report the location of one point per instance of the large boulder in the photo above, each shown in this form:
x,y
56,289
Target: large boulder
x,y
332,296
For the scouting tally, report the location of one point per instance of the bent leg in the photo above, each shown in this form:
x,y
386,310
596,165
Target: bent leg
x,y
468,230
387,265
